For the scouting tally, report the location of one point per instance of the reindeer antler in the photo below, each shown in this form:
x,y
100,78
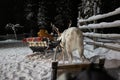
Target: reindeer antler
x,y
70,23
56,29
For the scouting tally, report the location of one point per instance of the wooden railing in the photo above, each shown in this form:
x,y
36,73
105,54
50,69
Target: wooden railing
x,y
115,37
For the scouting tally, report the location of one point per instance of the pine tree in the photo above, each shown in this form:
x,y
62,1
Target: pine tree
x,y
89,8
30,17
63,14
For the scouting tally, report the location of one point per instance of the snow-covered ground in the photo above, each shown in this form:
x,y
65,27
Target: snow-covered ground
x,y
15,66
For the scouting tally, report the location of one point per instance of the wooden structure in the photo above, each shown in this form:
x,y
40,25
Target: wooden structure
x,y
59,69
97,36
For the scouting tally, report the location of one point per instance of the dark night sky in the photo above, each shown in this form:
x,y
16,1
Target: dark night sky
x,y
8,11
4,11
11,11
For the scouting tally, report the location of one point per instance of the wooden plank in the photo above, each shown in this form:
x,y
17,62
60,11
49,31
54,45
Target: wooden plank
x,y
73,66
100,44
109,40
80,66
102,25
98,35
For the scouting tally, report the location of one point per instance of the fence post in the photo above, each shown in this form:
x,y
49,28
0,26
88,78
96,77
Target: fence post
x,y
101,63
54,70
95,12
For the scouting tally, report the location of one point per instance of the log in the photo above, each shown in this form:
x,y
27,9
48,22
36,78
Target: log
x,y
109,41
73,67
101,25
98,35
100,44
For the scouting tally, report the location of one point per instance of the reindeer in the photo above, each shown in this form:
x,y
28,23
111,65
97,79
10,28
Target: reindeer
x,y
71,39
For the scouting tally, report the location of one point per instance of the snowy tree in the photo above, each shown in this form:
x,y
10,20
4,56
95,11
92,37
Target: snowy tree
x,y
88,8
43,12
30,8
63,14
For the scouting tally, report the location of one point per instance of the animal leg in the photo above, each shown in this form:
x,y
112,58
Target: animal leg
x,y
55,54
82,57
63,55
70,57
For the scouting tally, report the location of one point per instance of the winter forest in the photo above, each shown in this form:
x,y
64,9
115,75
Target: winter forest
x,y
35,34
32,14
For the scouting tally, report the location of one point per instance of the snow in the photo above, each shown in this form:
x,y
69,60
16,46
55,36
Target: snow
x,y
10,40
15,66
89,51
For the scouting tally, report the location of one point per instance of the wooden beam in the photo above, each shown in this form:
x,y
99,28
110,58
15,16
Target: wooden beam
x,y
101,25
54,70
98,35
100,44
100,16
73,67
109,40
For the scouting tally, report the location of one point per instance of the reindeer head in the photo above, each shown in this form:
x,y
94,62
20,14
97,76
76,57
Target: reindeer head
x,y
55,29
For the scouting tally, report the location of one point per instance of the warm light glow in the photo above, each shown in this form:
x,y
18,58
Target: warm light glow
x,y
42,44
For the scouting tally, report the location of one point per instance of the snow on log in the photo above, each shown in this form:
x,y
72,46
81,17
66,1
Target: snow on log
x,y
98,35
97,17
109,41
115,47
101,25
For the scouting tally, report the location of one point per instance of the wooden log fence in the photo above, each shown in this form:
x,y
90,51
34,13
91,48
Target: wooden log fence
x,y
97,17
101,25
98,35
109,40
101,44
